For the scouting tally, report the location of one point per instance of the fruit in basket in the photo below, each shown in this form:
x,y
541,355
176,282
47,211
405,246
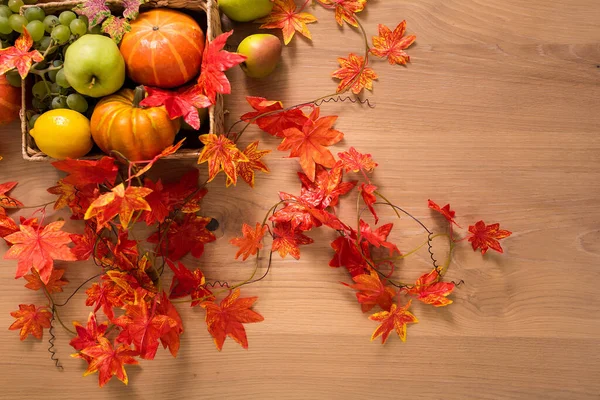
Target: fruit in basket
x,y
62,133
10,101
263,52
118,123
245,10
163,49
94,66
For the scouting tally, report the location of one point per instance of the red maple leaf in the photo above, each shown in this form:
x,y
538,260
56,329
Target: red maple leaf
x,y
309,144
170,150
345,10
287,240
183,102
371,291
286,17
109,361
367,192
348,255
5,200
158,201
356,162
54,285
379,236
107,295
88,244
270,117
354,74
392,44
31,320
251,240
118,202
188,283
297,212
181,238
445,211
222,155
7,224
430,290
89,335
125,254
326,188
88,172
78,199
395,319
185,194
170,338
19,56
486,236
38,248
245,170
215,60
227,319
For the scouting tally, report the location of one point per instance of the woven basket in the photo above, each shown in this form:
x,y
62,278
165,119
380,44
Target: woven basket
x,y
216,114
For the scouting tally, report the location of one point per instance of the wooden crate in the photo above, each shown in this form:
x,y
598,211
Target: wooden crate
x,y
213,29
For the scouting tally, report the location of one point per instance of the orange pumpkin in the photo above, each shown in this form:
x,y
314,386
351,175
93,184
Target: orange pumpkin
x,y
163,49
118,123
10,101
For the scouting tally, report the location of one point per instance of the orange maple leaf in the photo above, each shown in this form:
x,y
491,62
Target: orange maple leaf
x,y
227,318
430,290
445,211
108,296
371,291
309,144
170,150
270,116
286,17
222,155
251,240
246,170
392,44
54,285
31,320
108,361
5,200
345,10
7,224
354,74
38,247
19,56
286,240
355,161
486,236
397,318
119,201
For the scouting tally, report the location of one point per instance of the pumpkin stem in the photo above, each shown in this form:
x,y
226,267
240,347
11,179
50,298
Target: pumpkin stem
x,y
138,95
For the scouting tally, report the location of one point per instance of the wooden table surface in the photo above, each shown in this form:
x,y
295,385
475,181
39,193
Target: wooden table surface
x,y
498,114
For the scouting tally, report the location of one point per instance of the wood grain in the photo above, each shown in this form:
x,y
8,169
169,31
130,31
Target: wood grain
x,y
498,114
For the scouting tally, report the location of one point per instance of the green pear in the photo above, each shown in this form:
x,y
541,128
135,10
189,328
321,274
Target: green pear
x,y
245,10
263,52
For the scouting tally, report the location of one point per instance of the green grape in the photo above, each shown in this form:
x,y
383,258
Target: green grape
x,y
78,27
77,102
50,22
38,104
44,43
85,19
13,78
15,5
36,30
5,27
61,34
16,22
35,14
66,17
61,79
5,11
52,74
59,102
32,120
40,90
96,30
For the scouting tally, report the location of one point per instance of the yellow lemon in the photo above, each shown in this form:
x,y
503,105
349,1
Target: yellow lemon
x,y
63,133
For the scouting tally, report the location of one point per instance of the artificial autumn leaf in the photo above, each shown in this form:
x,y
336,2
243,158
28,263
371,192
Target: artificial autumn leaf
x,y
227,318
96,11
89,335
354,74
181,238
7,224
367,192
54,285
347,255
331,220
392,44
132,8
245,170
286,17
251,240
215,61
119,201
345,10
31,320
107,295
19,56
395,319
88,244
170,338
222,155
183,102
116,27
88,172
5,200
296,212
486,237
188,283
430,290
170,150
445,211
78,199
131,283
159,209
326,188
270,117
371,291
108,360
309,144
185,194
38,248
287,240
356,162
125,252
378,237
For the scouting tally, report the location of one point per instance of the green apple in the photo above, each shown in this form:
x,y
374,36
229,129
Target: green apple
x,y
263,52
94,66
245,10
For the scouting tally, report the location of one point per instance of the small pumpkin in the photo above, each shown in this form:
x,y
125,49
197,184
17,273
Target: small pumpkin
x,y
119,123
163,49
10,101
